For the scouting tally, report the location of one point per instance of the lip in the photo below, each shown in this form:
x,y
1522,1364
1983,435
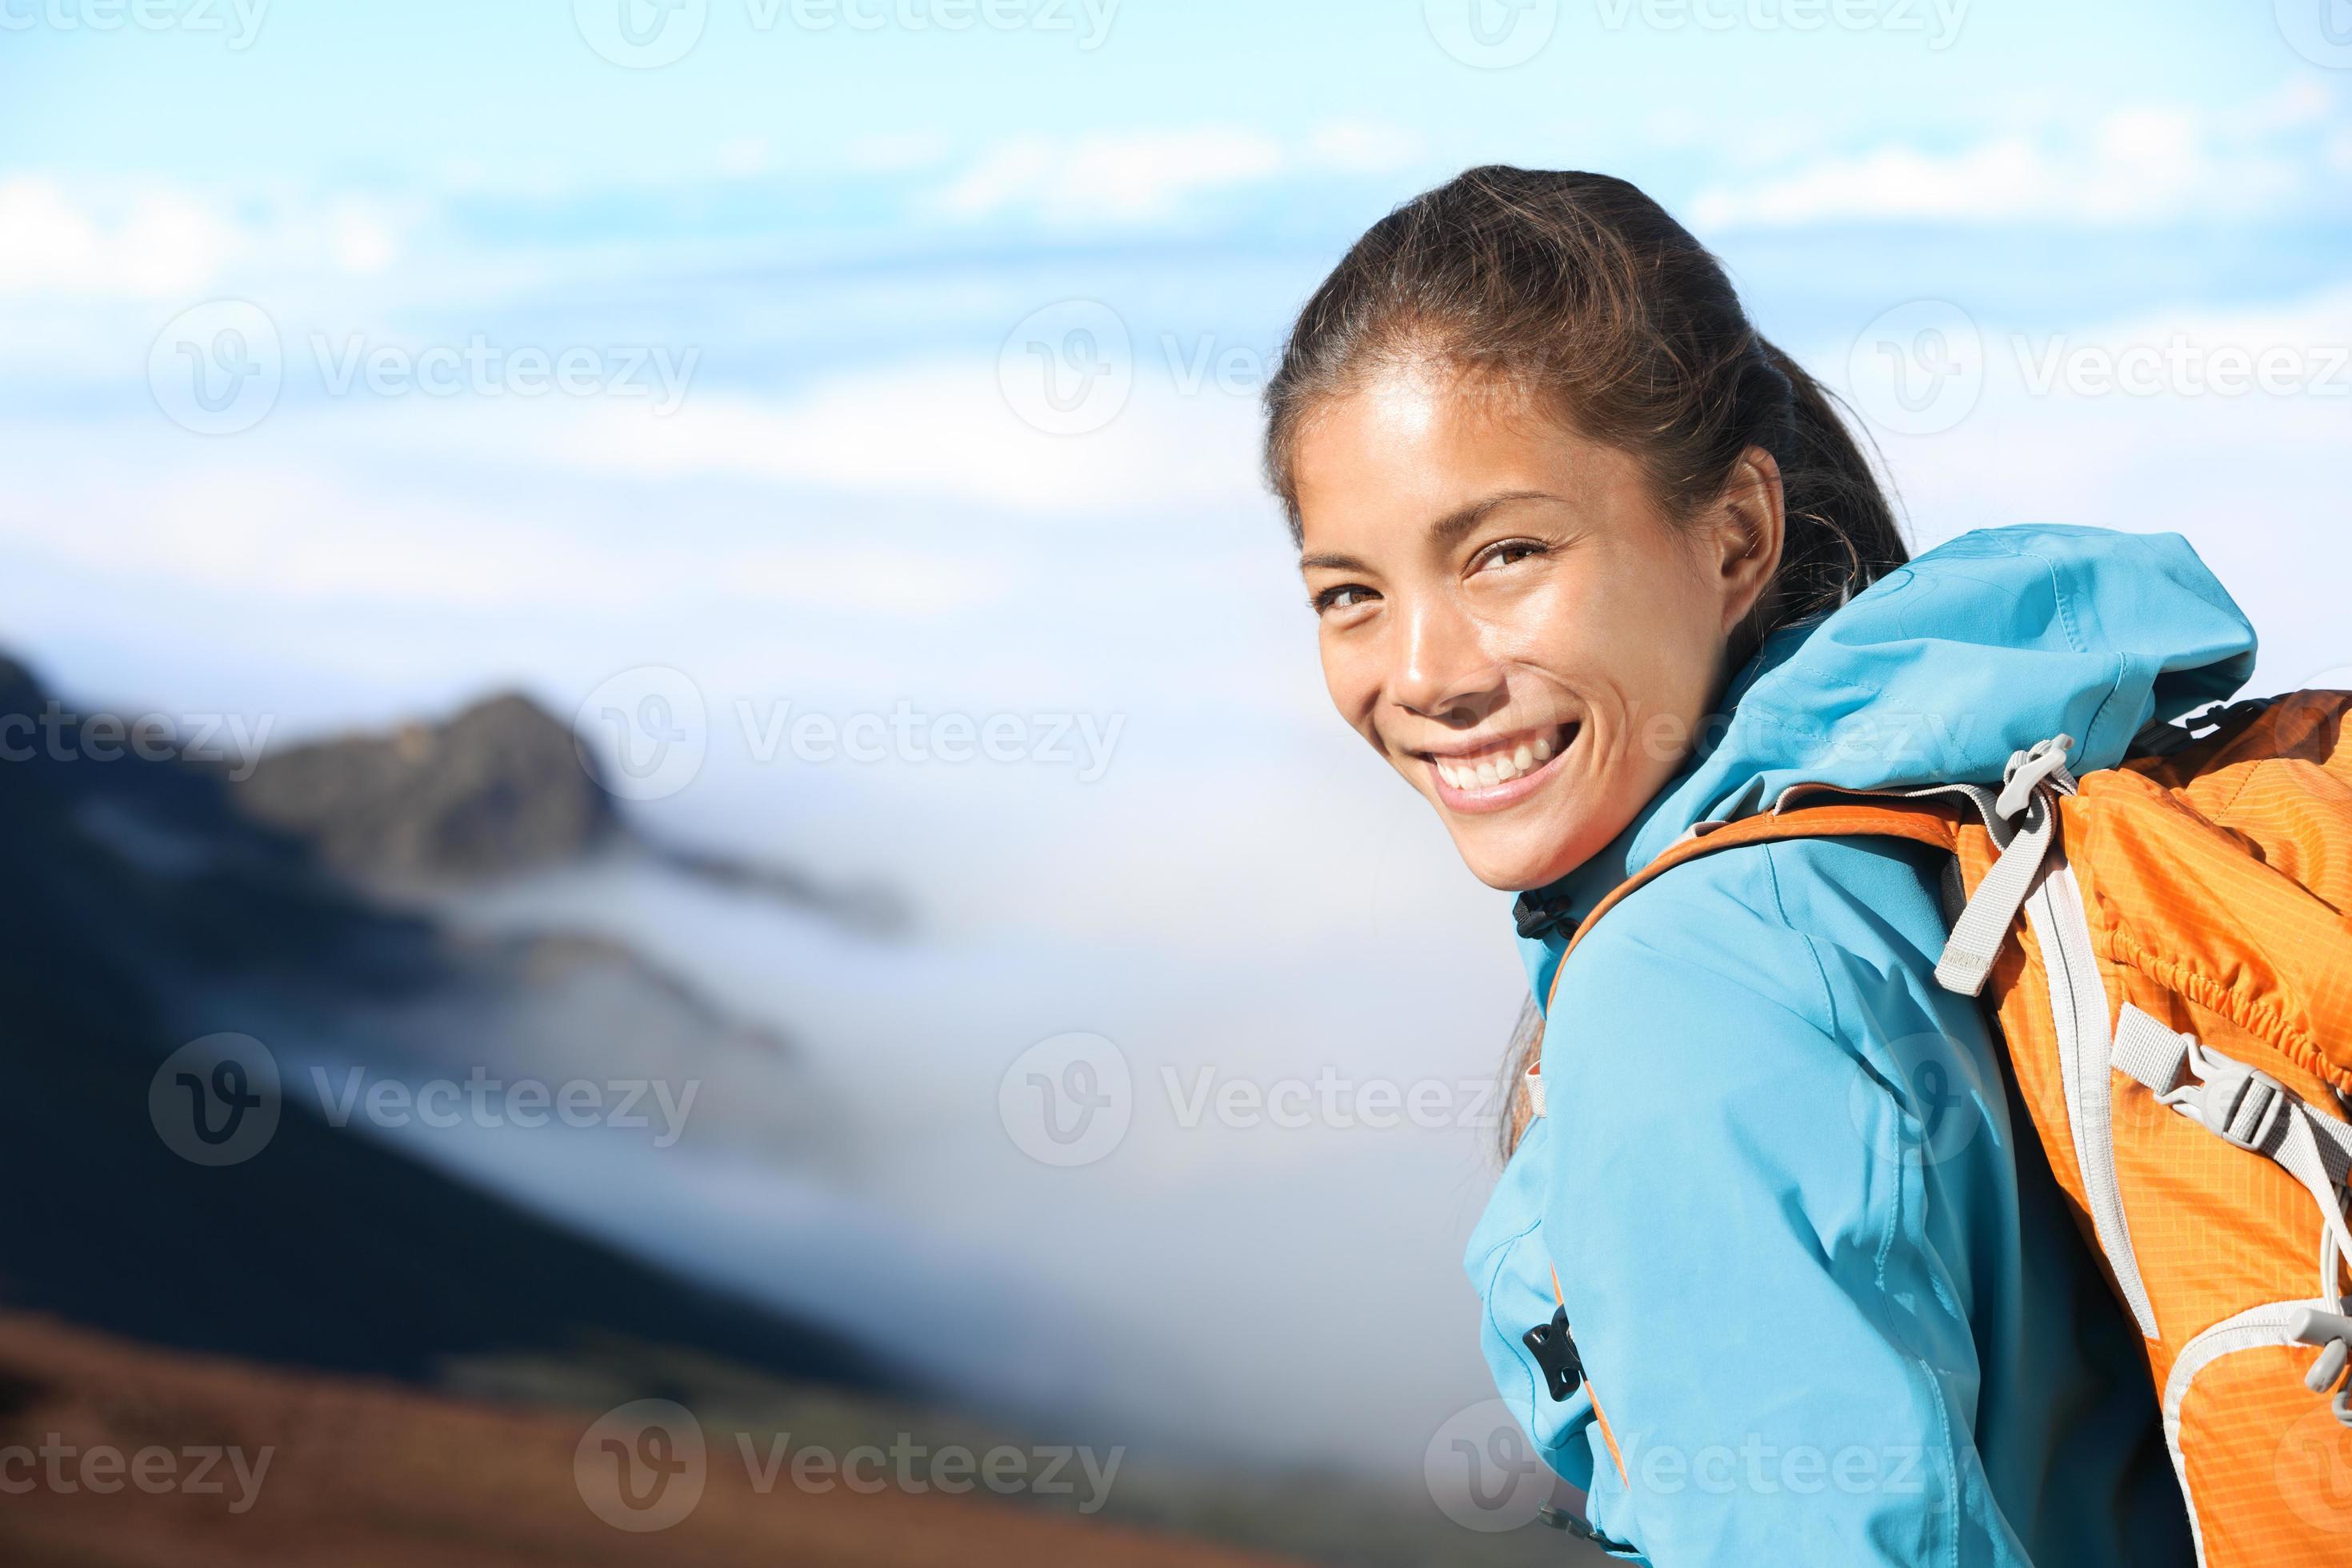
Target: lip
x,y
1509,792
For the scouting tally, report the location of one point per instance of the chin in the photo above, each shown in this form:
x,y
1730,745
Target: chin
x,y
1524,856
1510,868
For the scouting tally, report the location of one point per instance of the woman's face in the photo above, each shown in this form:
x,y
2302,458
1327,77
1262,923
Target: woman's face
x,y
1506,615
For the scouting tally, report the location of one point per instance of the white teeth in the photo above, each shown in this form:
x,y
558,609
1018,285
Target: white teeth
x,y
1498,767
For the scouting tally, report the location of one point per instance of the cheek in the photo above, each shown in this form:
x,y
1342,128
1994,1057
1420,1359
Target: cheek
x,y
1351,675
1631,649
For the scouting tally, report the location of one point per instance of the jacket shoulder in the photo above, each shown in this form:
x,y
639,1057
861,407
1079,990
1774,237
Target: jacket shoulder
x,y
1774,920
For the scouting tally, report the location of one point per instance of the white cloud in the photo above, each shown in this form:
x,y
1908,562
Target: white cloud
x,y
2252,478
1121,176
2130,165
150,241
1361,147
150,244
1138,176
274,528
894,152
937,430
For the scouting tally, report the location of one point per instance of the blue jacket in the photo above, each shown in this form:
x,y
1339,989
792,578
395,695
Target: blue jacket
x,y
1812,1259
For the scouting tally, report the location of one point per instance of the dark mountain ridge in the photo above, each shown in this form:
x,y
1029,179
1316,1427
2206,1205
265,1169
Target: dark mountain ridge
x,y
133,881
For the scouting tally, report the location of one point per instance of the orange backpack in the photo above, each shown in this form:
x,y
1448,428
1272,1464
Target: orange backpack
x,y
2176,1008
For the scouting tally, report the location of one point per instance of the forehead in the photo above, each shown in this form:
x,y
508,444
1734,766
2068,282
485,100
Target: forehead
x,y
1417,441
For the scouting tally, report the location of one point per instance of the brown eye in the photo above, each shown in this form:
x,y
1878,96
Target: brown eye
x,y
1510,553
1346,596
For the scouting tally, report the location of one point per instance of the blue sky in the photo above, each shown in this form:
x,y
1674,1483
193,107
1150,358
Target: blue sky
x,y
841,242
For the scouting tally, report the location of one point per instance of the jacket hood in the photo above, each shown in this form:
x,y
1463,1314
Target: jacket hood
x,y
1936,674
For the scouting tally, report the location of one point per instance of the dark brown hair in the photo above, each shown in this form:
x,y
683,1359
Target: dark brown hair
x,y
1583,291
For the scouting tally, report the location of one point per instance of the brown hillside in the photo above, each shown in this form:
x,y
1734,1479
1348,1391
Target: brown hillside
x,y
363,1475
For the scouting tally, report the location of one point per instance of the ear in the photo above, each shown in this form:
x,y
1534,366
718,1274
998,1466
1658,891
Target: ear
x,y
1751,525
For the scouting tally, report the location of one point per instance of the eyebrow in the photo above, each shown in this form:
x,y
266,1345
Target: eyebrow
x,y
1443,532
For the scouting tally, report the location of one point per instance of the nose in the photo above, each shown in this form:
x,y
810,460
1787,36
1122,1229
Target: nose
x,y
1444,671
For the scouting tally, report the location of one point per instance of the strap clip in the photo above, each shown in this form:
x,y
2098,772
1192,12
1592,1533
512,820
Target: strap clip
x,y
2332,1333
2242,1104
2028,769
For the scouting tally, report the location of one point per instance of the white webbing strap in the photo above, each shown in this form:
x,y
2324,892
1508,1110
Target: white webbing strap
x,y
1976,936
2147,1053
2031,786
2078,1017
2252,1109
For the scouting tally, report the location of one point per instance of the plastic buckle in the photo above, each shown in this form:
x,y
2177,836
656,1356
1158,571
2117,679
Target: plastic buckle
x,y
1563,1369
2026,769
2242,1104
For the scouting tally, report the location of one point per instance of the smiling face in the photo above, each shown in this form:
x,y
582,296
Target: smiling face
x,y
1508,614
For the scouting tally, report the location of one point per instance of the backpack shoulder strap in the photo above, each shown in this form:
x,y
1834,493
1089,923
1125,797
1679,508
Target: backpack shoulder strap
x,y
1930,822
